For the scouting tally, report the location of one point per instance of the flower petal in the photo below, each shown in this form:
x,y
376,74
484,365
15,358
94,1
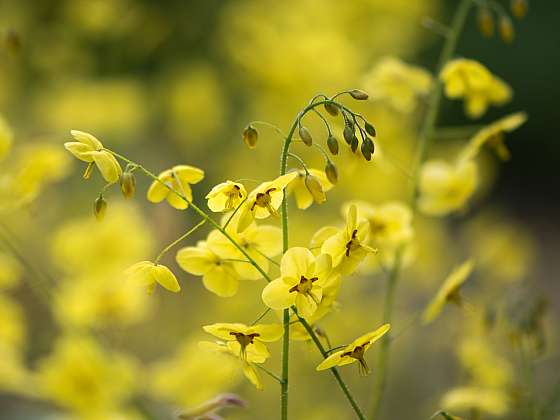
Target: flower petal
x,y
296,261
277,295
165,277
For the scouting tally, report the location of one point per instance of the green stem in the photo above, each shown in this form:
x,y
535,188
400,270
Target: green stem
x,y
269,373
425,135
179,239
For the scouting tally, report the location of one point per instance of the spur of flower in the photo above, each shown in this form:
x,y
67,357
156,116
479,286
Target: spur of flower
x,y
448,292
150,274
354,352
246,340
173,185
303,277
89,149
309,187
226,196
445,187
265,200
218,274
348,246
469,79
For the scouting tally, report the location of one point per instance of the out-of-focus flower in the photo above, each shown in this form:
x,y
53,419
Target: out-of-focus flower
x,y
85,378
150,274
301,281
493,135
226,196
449,291
445,187
306,191
486,400
14,377
12,333
218,275
179,179
469,79
10,271
484,365
88,149
210,409
6,138
397,83
354,352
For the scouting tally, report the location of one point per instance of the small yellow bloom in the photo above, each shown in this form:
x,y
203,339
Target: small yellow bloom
x,y
218,275
444,187
246,340
151,274
226,196
176,179
89,149
354,352
305,188
495,402
449,291
348,247
470,80
493,135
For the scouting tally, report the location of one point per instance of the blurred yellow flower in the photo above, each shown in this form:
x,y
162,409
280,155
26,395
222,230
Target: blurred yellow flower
x,y
301,281
445,187
469,79
150,274
354,352
178,179
449,291
305,192
218,275
226,196
398,83
14,377
10,271
6,138
485,366
12,333
88,149
486,400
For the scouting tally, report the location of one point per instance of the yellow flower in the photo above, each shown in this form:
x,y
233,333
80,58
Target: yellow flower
x,y
244,340
218,275
14,377
89,149
12,333
10,271
260,242
354,352
226,196
444,187
348,247
264,200
301,283
150,274
179,179
398,83
487,400
6,138
449,291
305,191
470,80
493,135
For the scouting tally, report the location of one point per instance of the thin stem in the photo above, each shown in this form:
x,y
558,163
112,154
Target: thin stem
x,y
234,212
179,239
269,373
261,316
267,124
300,160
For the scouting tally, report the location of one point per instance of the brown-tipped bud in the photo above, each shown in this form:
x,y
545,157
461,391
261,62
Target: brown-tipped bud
x,y
365,150
370,129
485,22
99,208
12,41
506,29
315,188
331,108
331,172
332,144
305,136
250,136
519,8
348,133
354,144
358,94
128,184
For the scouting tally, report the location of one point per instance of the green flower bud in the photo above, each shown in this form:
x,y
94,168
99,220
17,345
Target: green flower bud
x,y
365,150
314,187
331,172
331,108
370,129
485,22
305,135
99,208
358,94
506,29
354,144
332,144
348,132
250,136
519,8
128,184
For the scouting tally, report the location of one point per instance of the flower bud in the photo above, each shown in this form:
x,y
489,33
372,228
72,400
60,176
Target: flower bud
x,y
519,8
331,172
358,94
250,136
332,144
128,184
485,22
365,150
99,208
305,136
370,129
331,108
506,29
354,143
314,187
348,132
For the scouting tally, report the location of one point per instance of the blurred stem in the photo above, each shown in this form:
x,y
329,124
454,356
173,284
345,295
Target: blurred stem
x,y
179,239
425,135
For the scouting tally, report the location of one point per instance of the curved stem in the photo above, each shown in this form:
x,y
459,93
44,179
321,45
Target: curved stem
x,y
179,239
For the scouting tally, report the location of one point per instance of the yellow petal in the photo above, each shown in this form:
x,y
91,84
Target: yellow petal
x,y
333,360
87,139
196,260
371,337
296,262
188,174
221,280
277,295
79,150
268,332
251,374
165,277
107,165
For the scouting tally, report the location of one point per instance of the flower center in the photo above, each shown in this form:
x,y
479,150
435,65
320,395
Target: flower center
x,y
305,285
233,194
244,340
265,201
358,354
353,244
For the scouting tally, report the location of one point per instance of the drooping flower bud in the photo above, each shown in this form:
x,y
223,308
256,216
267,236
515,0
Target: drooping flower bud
x,y
485,22
348,132
331,108
370,129
358,94
128,184
354,143
314,187
365,150
332,144
250,136
506,29
99,208
331,172
305,136
519,8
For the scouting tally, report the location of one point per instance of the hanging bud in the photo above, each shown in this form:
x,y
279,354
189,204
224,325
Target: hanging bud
x,y
506,29
305,136
128,184
250,136
332,144
349,130
358,94
99,208
314,187
370,129
519,8
331,172
354,144
365,150
485,22
331,108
